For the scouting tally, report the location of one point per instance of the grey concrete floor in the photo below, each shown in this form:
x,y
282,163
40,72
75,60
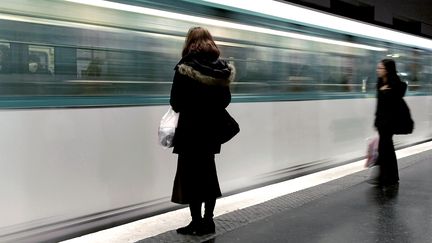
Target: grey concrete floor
x,y
343,210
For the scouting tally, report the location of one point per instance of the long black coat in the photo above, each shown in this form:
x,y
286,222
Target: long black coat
x,y
386,120
200,92
388,106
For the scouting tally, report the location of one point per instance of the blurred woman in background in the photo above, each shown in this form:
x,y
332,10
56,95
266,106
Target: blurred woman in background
x,y
390,90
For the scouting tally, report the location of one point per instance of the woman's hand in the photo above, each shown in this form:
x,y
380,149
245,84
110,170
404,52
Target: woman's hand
x,y
385,87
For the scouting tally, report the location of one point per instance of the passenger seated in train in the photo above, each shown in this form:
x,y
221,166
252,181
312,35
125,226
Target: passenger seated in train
x,y
93,69
35,65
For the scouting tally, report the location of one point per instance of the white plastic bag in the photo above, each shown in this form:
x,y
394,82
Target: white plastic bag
x,y
372,152
167,128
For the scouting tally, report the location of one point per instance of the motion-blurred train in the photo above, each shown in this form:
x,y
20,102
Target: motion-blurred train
x,y
83,85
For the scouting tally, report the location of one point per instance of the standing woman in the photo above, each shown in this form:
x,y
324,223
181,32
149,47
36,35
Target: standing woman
x,y
200,93
390,90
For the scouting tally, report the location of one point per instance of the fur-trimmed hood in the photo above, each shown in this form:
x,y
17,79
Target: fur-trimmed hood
x,y
217,72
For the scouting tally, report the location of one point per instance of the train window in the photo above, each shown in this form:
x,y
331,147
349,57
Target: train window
x,y
413,71
412,67
118,72
40,59
4,57
90,64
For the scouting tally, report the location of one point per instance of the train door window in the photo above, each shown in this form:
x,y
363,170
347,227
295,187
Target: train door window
x,y
4,57
41,59
414,70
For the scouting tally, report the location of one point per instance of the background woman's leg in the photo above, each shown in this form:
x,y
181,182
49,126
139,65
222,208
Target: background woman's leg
x,y
387,159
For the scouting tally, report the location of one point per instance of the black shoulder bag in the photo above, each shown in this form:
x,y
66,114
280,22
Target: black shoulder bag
x,y
403,123
228,127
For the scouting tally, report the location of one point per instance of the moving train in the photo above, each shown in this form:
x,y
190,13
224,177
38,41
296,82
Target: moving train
x,y
83,85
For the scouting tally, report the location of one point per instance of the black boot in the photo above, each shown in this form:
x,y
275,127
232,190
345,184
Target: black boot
x,y
207,227
191,229
195,226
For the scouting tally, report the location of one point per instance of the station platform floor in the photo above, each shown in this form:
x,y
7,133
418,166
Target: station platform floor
x,y
336,205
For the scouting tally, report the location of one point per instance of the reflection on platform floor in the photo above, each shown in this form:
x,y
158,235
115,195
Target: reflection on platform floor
x,y
362,213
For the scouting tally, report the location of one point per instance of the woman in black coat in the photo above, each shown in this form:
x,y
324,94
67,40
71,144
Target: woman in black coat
x,y
390,90
200,93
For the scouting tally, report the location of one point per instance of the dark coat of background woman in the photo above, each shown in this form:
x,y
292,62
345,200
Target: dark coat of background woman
x,y
390,90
